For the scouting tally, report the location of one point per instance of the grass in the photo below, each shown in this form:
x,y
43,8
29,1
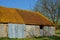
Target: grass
x,y
58,31
39,38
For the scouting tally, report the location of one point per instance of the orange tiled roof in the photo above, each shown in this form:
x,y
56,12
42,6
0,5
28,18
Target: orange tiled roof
x,y
13,15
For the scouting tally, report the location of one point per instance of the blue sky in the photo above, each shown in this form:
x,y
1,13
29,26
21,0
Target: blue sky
x,y
21,4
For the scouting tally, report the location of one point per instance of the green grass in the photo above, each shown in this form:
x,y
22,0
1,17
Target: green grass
x,y
39,38
58,22
58,31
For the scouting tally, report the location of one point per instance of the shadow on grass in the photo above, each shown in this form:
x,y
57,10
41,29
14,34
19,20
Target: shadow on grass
x,y
54,37
36,38
49,38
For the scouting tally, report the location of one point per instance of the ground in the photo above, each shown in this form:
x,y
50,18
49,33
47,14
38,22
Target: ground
x,y
56,37
39,38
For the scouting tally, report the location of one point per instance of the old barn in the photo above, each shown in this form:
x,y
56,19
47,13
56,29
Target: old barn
x,y
16,23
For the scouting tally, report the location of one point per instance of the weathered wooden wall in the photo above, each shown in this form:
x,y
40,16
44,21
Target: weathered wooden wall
x,y
23,31
32,30
16,31
49,31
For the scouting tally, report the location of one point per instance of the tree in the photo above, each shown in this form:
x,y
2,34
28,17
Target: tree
x,y
59,13
48,8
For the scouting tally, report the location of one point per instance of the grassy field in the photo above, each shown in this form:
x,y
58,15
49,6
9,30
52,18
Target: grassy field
x,y
39,38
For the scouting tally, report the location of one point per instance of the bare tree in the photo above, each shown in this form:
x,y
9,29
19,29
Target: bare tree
x,y
48,8
58,5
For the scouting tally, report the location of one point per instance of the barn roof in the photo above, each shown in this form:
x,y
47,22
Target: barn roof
x,y
9,15
13,15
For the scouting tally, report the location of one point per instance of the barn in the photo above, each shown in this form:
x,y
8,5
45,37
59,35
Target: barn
x,y
17,23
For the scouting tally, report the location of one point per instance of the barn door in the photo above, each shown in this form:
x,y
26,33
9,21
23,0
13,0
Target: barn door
x,y
16,31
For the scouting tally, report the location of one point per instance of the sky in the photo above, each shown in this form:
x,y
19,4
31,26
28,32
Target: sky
x,y
21,4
